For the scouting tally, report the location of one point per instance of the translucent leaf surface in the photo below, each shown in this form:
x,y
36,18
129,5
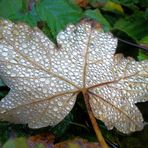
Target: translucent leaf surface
x,y
44,81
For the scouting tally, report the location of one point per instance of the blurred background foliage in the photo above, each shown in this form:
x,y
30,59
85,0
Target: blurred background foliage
x,y
126,19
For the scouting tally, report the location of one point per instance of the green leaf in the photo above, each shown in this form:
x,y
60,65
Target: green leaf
x,y
20,143
134,26
14,11
144,40
9,8
31,17
96,15
58,13
16,143
143,55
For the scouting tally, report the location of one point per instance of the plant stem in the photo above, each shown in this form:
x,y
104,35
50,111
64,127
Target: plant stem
x,y
133,44
94,122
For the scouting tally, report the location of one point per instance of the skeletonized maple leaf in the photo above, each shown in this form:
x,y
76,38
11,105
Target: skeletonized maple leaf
x,y
44,81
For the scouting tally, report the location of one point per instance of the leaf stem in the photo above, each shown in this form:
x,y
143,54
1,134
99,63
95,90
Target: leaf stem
x,y
94,122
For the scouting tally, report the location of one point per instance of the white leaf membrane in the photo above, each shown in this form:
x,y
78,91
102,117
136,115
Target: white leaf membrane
x,y
44,81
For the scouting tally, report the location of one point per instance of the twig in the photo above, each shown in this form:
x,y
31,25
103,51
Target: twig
x,y
139,46
30,5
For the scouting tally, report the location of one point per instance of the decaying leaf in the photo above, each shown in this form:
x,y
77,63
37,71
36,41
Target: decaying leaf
x,y
45,139
82,3
44,81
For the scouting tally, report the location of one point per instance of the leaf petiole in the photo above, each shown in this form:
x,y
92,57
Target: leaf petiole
x,y
94,122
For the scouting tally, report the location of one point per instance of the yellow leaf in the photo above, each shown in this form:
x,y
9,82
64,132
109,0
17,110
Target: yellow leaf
x,y
111,6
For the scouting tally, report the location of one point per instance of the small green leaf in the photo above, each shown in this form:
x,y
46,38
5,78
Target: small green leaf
x,y
58,14
16,143
96,14
21,143
144,40
143,55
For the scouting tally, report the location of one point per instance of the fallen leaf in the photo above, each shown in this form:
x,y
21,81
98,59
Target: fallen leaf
x,y
44,81
74,143
77,143
45,139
